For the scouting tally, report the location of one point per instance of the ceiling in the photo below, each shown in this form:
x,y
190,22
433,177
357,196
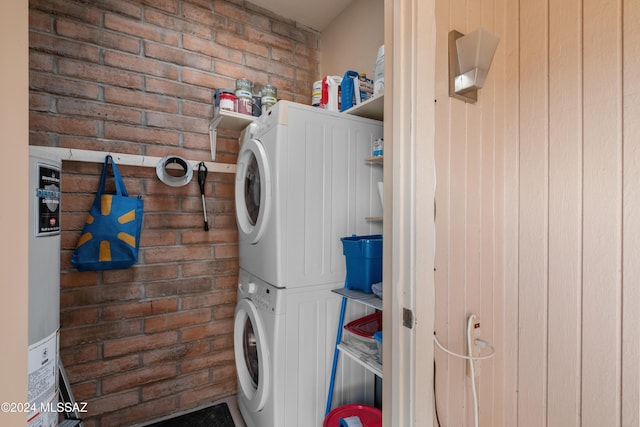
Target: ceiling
x,y
313,14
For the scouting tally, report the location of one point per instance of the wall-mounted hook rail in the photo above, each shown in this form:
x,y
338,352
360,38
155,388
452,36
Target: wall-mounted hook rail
x,y
78,155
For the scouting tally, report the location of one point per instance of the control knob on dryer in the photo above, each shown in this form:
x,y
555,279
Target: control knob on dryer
x,y
252,129
248,288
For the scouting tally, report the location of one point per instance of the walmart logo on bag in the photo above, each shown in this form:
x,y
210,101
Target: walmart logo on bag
x,y
111,234
105,245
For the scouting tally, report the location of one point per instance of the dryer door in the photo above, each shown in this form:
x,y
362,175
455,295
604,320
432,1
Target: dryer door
x,y
251,354
253,190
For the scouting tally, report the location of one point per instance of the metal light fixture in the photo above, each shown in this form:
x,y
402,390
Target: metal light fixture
x,y
470,57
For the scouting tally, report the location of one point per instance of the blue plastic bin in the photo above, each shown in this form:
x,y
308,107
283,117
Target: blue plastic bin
x,y
363,255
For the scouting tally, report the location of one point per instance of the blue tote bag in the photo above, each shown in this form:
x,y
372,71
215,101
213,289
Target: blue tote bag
x,y
111,235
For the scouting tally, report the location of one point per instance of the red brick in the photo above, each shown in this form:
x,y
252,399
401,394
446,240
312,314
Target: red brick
x,y
80,31
140,134
132,98
139,412
264,38
100,74
178,287
76,279
163,20
101,368
170,6
99,332
212,236
197,109
63,47
179,90
209,299
198,14
226,311
226,282
289,30
197,142
139,274
81,316
176,320
141,64
39,21
226,251
204,395
39,102
82,11
112,402
223,341
272,67
138,343
224,373
83,392
243,15
80,354
174,385
176,56
176,353
137,378
100,295
65,125
173,121
140,29
174,221
209,48
233,41
74,107
139,309
211,329
62,86
151,238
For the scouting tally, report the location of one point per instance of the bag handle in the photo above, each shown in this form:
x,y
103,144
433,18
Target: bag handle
x,y
121,189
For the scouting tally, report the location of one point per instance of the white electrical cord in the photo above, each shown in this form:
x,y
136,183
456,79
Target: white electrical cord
x,y
470,357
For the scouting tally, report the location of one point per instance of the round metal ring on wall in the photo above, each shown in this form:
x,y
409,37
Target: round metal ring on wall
x,y
171,175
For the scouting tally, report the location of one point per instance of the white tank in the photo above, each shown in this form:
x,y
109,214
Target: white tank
x,y
44,286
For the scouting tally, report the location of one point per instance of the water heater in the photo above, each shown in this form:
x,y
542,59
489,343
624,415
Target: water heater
x,y
44,286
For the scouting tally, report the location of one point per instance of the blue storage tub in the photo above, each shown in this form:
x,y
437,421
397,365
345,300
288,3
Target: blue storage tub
x,y
364,261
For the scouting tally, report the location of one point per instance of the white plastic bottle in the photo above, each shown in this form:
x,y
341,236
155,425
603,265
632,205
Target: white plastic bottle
x,y
378,73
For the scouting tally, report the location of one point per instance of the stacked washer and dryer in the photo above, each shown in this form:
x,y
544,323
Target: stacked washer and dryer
x,y
301,184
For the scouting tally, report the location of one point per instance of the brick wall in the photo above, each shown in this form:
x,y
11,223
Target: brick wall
x,y
138,77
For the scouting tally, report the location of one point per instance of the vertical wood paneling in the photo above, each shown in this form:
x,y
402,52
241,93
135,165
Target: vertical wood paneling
x,y
442,258
511,226
553,209
631,215
532,321
565,212
601,330
458,280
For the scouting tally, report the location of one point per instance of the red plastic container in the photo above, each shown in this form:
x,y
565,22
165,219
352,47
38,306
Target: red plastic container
x,y
360,333
366,326
369,416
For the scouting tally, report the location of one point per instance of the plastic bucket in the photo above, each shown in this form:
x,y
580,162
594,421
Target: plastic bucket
x,y
369,416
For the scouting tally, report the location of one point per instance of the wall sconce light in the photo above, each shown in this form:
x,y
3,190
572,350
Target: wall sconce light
x,y
470,57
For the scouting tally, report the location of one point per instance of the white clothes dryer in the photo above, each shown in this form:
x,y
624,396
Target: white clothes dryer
x,y
301,184
283,344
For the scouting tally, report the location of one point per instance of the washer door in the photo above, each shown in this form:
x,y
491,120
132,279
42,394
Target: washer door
x,y
252,354
253,190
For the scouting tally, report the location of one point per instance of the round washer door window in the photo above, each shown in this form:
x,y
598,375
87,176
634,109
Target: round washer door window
x,y
251,354
253,190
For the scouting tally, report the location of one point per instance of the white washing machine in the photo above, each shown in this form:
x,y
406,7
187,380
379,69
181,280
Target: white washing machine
x,y
301,184
283,343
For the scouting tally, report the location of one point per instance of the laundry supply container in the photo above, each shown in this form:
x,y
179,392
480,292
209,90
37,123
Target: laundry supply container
x,y
369,416
360,333
363,255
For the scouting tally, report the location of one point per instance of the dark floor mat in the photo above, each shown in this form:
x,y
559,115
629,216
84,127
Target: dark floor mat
x,y
214,416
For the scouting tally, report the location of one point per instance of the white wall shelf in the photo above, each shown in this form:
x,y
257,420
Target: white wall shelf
x,y
227,120
367,360
372,108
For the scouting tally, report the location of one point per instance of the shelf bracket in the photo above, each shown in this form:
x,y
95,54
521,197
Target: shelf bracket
x,y
213,135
